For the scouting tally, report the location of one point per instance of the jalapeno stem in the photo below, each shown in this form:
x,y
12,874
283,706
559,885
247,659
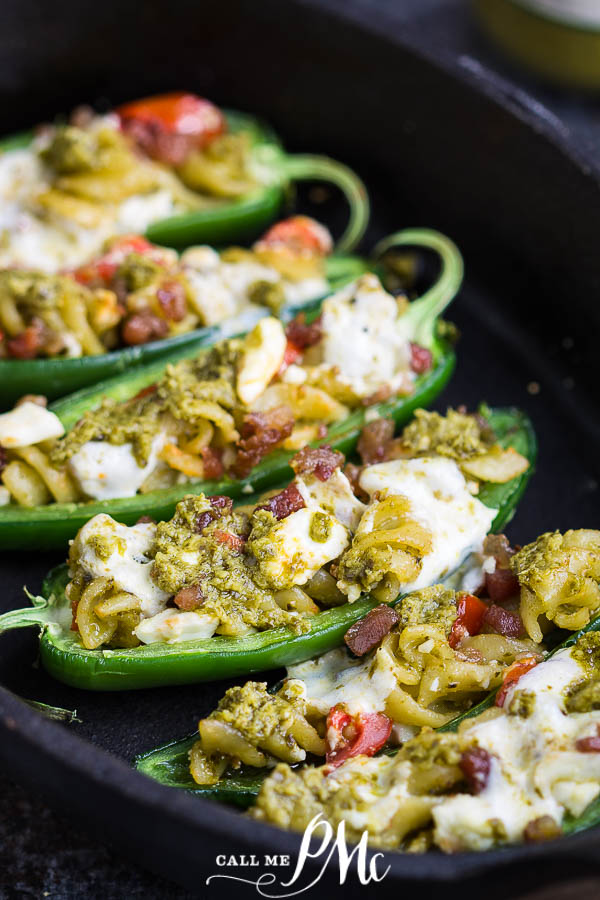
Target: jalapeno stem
x,y
423,313
309,167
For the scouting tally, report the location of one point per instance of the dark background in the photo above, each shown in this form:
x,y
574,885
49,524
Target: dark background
x,y
42,854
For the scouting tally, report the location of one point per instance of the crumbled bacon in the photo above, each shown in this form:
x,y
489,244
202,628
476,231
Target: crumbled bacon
x,y
3,459
29,343
421,359
189,598
38,399
503,621
353,473
233,541
475,765
171,299
302,334
367,633
261,432
501,584
589,744
498,546
213,464
220,506
171,149
143,327
145,520
322,461
374,440
285,503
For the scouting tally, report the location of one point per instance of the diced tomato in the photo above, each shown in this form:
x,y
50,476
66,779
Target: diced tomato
x,y
299,235
469,619
177,113
104,268
350,736
292,354
519,668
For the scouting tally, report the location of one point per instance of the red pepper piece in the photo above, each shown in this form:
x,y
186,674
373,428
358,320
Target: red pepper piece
x,y
361,735
421,359
105,267
177,113
300,235
589,744
469,619
513,673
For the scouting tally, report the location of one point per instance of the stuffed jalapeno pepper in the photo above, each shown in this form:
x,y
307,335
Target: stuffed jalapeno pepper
x,y
218,591
224,421
137,301
406,670
173,166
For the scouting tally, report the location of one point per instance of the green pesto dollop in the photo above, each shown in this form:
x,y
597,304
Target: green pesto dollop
x,y
522,704
267,293
435,605
138,272
71,151
320,527
455,435
587,652
584,696
181,394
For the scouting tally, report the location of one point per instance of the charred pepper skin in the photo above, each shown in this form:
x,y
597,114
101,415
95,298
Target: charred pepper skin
x,y
47,527
235,221
155,665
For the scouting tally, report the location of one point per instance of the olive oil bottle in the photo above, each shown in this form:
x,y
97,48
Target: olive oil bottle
x,y
558,39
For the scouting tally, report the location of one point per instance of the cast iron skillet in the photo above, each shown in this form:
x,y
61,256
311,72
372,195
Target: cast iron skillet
x,y
440,145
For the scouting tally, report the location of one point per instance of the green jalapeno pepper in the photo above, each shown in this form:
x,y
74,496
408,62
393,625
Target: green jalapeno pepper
x,y
170,763
241,218
64,657
56,377
52,525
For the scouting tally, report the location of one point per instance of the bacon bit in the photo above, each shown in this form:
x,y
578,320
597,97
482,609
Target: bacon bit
x,y
501,584
303,335
213,464
189,598
504,622
421,359
544,828
145,520
514,672
367,633
498,546
285,503
29,342
469,618
233,541
475,765
172,301
589,744
300,235
220,506
322,461
3,459
374,439
382,394
347,737
143,327
261,432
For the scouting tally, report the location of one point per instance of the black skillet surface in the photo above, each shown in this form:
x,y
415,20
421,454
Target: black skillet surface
x,y
441,148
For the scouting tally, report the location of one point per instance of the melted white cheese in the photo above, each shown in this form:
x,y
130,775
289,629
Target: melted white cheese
x,y
363,338
176,625
298,557
535,770
104,470
337,678
262,356
128,564
334,496
28,424
440,501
